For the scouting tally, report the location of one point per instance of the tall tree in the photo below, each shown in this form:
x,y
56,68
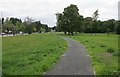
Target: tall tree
x,y
94,25
29,26
8,26
15,20
111,24
95,15
79,23
45,28
117,27
87,23
71,15
2,20
62,24
104,27
38,26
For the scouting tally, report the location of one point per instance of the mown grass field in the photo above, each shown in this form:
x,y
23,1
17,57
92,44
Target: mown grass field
x,y
31,54
103,50
0,56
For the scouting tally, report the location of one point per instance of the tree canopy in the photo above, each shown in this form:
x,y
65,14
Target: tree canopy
x,y
29,25
70,21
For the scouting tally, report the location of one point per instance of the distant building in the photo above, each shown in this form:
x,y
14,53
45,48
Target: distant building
x,y
119,10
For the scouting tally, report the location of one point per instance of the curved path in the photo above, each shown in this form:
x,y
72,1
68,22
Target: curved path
x,y
75,61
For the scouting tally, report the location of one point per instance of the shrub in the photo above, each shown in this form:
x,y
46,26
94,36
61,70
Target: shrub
x,y
110,50
92,47
102,46
117,53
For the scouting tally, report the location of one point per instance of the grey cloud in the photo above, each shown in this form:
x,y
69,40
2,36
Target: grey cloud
x,y
45,10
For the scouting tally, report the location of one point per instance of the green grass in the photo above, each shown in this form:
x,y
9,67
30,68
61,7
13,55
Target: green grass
x,y
98,47
0,56
31,54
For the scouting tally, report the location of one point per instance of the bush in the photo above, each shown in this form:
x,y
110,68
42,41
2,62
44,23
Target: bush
x,y
102,46
117,53
110,50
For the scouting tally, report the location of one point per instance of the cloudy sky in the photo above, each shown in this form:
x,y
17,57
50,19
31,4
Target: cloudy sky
x,y
44,10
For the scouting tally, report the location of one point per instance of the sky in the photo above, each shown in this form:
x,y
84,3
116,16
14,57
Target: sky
x,y
45,10
119,10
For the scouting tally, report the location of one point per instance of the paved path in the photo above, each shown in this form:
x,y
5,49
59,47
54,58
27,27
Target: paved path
x,y
75,61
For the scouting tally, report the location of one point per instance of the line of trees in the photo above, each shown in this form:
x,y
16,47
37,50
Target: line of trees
x,y
29,25
70,22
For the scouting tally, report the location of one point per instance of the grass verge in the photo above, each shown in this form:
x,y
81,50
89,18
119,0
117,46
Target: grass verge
x,y
31,54
103,50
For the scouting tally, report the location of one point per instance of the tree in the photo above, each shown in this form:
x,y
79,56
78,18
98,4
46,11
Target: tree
x,y
59,20
29,25
1,24
71,14
61,23
117,27
19,27
79,23
15,25
15,20
8,26
2,20
95,27
94,23
69,20
108,24
87,23
111,24
95,15
45,27
100,26
108,31
38,26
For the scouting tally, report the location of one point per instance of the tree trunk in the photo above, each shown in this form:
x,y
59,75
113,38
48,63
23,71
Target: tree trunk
x,y
68,33
108,33
95,32
72,33
91,30
65,33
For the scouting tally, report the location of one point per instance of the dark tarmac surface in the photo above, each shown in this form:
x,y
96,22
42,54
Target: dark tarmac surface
x,y
75,61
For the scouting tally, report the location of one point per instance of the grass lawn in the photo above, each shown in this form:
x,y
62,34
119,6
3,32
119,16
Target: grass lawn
x,y
0,56
103,50
31,54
